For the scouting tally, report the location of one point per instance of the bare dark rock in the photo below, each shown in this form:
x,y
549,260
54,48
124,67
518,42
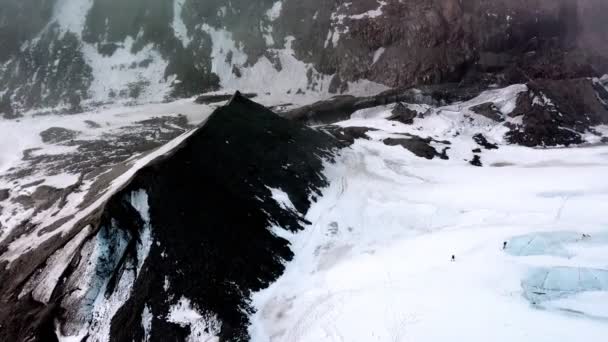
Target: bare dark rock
x,y
4,194
494,62
476,161
403,114
421,147
236,71
341,107
489,110
481,140
337,85
216,256
55,135
417,42
348,135
206,99
557,112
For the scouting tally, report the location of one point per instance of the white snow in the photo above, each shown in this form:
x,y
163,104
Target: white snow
x,y
71,14
371,13
105,308
275,11
338,25
377,55
180,29
592,304
282,198
146,322
375,264
201,329
569,289
139,201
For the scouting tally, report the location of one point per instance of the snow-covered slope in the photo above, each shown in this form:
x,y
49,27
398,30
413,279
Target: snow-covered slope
x,y
375,264
413,185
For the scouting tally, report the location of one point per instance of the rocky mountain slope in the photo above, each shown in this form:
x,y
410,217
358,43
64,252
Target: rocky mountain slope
x,y
241,229
138,257
392,132
74,54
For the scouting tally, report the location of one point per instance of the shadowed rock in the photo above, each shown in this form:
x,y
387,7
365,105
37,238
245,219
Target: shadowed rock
x,y
207,99
4,194
341,107
403,114
489,110
476,161
557,112
481,140
421,147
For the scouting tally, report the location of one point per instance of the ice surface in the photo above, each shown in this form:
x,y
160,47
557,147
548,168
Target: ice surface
x,y
548,243
591,304
546,284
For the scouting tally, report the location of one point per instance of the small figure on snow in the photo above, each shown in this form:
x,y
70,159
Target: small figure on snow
x,y
453,258
586,236
504,245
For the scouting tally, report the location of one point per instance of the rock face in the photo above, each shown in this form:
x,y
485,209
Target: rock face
x,y
557,112
177,252
421,147
72,55
403,114
489,110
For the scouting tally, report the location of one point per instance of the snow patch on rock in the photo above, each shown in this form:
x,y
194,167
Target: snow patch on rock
x,y
282,198
180,29
203,329
139,201
275,11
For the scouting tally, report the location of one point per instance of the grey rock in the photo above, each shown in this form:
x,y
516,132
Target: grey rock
x,y
421,147
4,194
55,135
489,110
403,114
207,99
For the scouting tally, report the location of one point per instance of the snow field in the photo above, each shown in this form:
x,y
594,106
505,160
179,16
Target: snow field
x,y
375,265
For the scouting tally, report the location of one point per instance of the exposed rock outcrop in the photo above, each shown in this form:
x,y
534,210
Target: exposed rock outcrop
x,y
193,230
557,112
421,147
184,47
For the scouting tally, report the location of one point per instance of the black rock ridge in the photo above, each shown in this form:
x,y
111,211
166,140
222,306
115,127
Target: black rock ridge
x,y
193,228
